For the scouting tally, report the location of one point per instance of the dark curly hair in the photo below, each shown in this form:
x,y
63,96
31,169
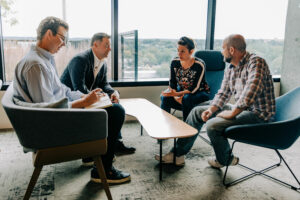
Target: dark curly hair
x,y
188,42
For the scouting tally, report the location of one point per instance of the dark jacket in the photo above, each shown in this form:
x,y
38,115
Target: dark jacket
x,y
79,74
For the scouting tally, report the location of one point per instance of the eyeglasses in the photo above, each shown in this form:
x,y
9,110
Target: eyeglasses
x,y
107,46
63,38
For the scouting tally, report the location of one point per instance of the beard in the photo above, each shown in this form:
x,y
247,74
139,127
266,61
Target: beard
x,y
228,59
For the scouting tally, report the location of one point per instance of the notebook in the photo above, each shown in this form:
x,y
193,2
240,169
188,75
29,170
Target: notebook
x,y
104,102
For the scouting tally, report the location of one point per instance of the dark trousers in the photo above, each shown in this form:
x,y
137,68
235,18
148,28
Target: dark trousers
x,y
116,116
189,101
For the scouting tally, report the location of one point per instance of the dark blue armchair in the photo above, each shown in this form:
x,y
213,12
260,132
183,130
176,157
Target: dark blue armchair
x,y
214,73
214,69
277,135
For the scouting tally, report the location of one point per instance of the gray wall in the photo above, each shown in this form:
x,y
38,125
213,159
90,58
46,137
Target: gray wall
x,y
290,72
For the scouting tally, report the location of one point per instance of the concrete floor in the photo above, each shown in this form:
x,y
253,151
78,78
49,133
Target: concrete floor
x,y
196,180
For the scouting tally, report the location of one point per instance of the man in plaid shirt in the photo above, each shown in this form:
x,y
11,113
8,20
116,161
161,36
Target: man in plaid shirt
x,y
249,80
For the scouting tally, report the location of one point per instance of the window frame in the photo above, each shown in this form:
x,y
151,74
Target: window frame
x,y
209,45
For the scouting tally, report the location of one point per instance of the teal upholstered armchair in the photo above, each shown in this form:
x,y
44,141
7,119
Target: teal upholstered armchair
x,y
277,135
57,135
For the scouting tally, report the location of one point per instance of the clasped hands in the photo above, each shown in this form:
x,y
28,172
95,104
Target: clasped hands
x,y
173,93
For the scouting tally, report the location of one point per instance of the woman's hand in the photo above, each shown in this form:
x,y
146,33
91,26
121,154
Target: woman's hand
x,y
170,93
178,99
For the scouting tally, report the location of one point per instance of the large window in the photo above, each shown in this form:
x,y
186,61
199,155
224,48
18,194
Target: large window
x,y
84,18
148,30
261,22
158,24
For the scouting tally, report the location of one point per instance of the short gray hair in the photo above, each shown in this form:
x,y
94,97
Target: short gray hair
x,y
237,41
52,23
99,36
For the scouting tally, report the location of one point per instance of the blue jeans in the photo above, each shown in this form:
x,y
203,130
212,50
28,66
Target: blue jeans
x,y
215,127
189,101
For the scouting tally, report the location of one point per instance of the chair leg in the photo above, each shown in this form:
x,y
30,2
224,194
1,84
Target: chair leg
x,y
102,175
174,112
292,187
254,172
205,140
261,172
224,178
34,178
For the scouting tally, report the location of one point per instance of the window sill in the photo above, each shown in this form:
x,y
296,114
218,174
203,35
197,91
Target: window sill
x,y
140,82
145,82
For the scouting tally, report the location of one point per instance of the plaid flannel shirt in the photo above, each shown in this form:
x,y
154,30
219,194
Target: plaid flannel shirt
x,y
251,84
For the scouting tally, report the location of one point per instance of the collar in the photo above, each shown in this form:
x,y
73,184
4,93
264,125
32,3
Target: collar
x,y
245,58
242,61
44,52
97,61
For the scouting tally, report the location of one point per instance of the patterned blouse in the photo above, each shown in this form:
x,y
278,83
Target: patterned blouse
x,y
251,84
192,79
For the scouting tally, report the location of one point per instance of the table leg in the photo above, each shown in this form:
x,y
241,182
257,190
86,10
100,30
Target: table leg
x,y
174,158
160,160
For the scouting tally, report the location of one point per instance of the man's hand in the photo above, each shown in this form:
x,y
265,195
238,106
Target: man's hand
x,y
226,114
206,115
92,97
87,99
230,114
114,98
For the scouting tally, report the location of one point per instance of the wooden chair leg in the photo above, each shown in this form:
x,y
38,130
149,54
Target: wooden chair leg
x,y
102,175
34,178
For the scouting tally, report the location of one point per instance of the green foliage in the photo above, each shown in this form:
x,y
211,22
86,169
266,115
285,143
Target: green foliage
x,y
157,54
163,71
7,11
270,50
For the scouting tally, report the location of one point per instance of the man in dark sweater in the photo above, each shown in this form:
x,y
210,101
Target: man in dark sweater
x,y
88,70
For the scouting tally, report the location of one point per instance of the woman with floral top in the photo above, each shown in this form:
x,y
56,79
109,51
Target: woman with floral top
x,y
187,86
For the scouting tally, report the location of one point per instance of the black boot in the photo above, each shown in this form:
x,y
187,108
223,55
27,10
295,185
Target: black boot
x,y
121,149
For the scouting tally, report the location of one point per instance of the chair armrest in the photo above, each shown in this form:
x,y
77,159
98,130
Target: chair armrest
x,y
274,135
39,128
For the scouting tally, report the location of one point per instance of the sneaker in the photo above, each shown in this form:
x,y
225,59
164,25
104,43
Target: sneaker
x,y
168,159
121,149
113,176
88,162
215,164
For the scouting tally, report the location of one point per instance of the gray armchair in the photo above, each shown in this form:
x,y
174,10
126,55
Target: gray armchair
x,y
58,135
